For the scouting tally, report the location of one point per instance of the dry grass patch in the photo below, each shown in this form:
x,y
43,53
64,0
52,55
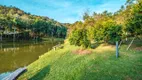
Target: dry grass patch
x,y
105,47
138,48
82,51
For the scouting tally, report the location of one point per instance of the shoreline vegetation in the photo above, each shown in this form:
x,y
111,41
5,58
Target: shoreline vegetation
x,y
50,39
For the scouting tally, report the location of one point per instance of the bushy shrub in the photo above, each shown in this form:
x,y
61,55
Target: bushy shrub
x,y
78,37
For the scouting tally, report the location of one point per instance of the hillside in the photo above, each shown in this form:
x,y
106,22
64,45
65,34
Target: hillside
x,y
16,21
99,64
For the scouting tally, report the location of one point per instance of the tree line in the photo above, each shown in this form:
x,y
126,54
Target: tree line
x,y
108,27
15,23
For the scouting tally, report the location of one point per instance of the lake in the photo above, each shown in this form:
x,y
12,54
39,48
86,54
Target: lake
x,y
18,54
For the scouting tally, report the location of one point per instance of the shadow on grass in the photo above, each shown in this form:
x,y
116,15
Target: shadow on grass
x,y
41,74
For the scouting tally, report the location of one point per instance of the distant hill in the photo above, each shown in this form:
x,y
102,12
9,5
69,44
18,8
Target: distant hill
x,y
14,19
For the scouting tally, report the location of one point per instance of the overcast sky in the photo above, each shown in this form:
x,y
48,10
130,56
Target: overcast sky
x,y
65,11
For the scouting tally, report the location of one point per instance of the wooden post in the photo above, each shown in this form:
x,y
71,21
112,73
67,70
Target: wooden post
x,y
117,52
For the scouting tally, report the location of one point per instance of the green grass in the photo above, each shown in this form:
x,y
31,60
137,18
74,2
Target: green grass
x,y
101,64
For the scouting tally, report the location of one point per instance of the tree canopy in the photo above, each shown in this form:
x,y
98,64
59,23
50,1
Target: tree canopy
x,y
108,27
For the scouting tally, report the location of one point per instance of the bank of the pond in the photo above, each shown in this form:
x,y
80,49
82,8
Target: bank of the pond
x,y
101,63
52,39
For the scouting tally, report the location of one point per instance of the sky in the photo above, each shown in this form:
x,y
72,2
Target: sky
x,y
64,11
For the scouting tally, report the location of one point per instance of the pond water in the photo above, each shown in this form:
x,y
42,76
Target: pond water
x,y
18,54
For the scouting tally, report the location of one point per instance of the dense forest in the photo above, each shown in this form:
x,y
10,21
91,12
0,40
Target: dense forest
x,y
108,27
15,24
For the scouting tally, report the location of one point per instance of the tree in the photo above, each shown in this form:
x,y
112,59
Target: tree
x,y
79,38
134,23
86,15
113,32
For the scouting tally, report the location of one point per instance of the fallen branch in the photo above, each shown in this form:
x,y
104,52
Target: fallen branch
x,y
130,43
120,44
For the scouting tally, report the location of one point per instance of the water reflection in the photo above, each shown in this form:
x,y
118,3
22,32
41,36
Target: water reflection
x,y
15,55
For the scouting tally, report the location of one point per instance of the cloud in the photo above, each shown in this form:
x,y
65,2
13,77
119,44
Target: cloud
x,y
65,10
111,6
70,19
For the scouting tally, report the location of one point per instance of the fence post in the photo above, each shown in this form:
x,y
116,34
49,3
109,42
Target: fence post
x,y
117,52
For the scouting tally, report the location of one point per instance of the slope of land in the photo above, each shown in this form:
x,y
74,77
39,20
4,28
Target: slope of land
x,y
99,64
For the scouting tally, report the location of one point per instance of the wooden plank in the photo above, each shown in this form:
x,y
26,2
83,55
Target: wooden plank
x,y
14,75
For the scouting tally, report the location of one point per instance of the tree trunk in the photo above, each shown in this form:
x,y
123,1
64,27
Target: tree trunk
x,y
1,46
126,37
1,36
14,35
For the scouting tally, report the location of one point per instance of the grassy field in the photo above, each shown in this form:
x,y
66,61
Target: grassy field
x,y
99,64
